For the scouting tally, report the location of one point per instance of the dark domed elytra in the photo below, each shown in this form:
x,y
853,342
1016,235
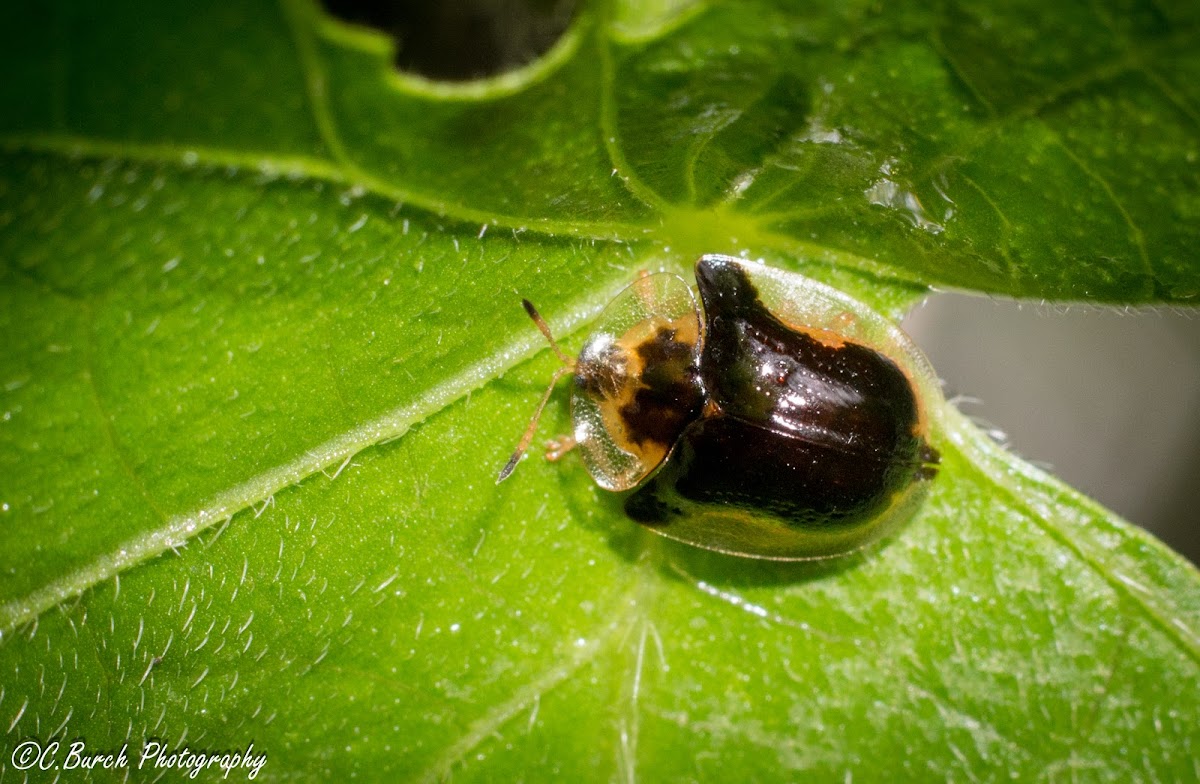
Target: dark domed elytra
x,y
802,433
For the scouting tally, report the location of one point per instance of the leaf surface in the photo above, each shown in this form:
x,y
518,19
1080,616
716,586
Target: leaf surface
x,y
263,357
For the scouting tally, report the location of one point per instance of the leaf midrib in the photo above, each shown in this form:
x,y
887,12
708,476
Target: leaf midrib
x,y
625,610
259,489
189,157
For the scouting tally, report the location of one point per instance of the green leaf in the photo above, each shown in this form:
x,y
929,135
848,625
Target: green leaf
x,y
264,355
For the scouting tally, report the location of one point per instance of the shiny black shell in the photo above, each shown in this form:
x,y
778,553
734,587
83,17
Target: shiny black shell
x,y
789,442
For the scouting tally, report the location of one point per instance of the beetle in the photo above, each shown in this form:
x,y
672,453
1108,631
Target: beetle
x,y
781,420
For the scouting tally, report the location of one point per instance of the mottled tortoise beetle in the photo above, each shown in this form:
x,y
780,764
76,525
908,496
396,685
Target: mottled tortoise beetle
x,y
783,421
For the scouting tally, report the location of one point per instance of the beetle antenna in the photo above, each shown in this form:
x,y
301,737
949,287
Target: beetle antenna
x,y
564,357
568,366
533,423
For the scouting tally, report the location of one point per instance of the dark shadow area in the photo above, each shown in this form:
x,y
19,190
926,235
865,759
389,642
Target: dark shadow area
x,y
462,40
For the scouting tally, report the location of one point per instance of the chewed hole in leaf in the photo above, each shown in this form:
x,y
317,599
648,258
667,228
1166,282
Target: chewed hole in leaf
x,y
462,40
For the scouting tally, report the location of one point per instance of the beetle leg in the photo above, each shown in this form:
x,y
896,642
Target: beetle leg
x,y
557,447
929,462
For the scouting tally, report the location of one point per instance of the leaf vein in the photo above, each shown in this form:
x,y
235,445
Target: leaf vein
x,y
270,164
608,129
177,530
1005,252
1139,240
532,692
106,421
315,80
